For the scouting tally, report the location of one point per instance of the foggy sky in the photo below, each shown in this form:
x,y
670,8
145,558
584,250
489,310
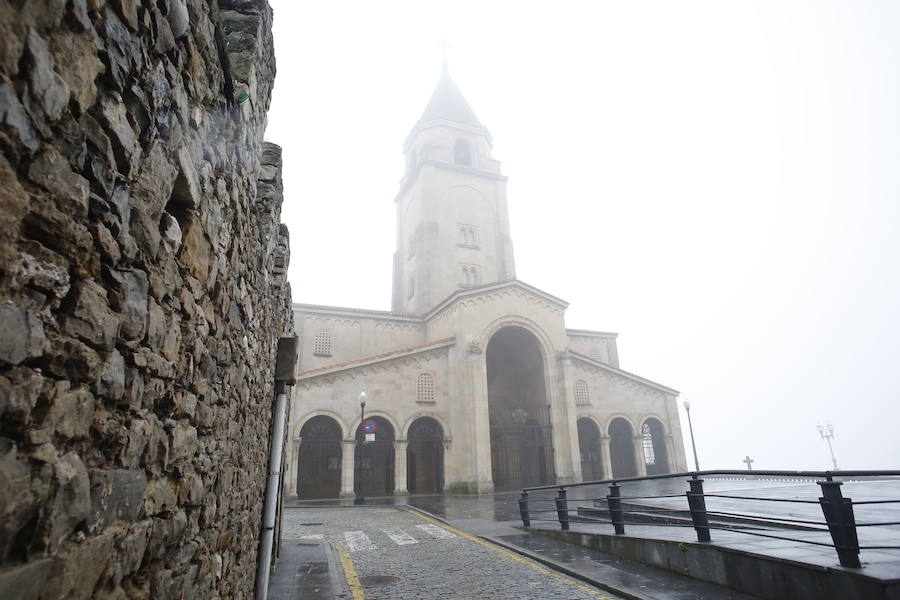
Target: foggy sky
x,y
719,182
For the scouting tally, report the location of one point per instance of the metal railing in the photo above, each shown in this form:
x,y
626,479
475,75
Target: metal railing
x,y
839,518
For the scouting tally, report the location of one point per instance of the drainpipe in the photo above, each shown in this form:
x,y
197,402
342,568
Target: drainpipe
x,y
284,376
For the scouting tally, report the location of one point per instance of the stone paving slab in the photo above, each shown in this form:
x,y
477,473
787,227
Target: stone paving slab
x,y
430,559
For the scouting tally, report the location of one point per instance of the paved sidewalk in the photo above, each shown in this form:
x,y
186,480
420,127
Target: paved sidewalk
x,y
392,553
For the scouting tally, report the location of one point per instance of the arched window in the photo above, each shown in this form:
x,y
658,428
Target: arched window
x,y
582,392
322,343
647,441
425,388
411,289
468,236
462,155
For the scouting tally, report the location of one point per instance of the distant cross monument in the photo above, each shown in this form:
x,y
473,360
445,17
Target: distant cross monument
x,y
748,461
445,45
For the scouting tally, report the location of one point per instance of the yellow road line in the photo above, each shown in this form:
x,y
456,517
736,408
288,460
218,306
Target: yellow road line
x,y
525,561
350,573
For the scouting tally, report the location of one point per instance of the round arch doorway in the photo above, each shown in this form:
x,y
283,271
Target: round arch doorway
x,y
656,456
521,437
589,445
425,457
374,461
319,461
621,448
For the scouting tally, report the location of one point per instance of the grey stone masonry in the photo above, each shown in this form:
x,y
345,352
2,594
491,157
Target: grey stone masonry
x,y
142,295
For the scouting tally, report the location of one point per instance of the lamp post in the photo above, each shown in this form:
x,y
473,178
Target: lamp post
x,y
826,434
687,408
360,445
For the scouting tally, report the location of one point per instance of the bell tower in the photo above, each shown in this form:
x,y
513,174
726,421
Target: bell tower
x,y
452,220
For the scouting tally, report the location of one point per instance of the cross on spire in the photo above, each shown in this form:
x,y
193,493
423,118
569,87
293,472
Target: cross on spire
x,y
445,45
748,461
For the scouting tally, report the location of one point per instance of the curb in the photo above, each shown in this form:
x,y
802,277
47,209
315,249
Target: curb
x,y
566,570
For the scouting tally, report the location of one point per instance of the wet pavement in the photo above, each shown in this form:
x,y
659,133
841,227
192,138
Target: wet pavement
x,y
496,517
392,553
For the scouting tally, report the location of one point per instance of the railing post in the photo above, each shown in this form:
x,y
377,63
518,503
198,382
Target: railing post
x,y
697,504
562,509
838,513
523,509
614,502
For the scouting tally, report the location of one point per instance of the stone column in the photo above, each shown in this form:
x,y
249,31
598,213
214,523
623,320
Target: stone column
x,y
639,456
565,423
670,453
348,454
293,461
605,457
400,467
476,399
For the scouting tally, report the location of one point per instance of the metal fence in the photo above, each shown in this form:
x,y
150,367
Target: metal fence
x,y
838,515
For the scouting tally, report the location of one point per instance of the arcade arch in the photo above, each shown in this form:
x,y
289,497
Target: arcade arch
x,y
621,448
589,446
653,442
319,458
374,461
425,456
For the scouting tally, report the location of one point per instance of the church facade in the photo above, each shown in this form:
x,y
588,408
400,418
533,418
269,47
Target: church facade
x,y
473,382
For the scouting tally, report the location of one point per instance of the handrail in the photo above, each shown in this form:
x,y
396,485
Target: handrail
x,y
837,510
694,474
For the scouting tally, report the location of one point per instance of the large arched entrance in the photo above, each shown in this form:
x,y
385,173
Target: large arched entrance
x,y
319,461
521,441
589,445
375,460
621,448
425,457
656,456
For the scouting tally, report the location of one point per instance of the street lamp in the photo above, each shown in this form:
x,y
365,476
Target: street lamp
x,y
826,434
687,408
360,445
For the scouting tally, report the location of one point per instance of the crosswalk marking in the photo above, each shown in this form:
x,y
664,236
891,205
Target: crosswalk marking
x,y
315,536
400,537
435,531
357,540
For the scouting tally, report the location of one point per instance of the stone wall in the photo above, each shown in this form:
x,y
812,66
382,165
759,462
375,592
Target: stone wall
x,y
142,293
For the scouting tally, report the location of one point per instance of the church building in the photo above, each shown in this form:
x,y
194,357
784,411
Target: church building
x,y
473,382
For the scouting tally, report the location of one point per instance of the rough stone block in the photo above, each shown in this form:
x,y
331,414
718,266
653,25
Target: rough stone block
x,y
26,582
112,379
159,496
17,504
50,90
184,442
53,173
84,564
71,411
21,334
90,317
116,495
131,300
76,56
72,502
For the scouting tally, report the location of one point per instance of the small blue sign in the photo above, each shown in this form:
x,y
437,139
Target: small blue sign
x,y
369,426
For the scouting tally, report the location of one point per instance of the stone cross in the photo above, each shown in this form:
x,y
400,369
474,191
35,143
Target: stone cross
x,y
444,46
748,461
